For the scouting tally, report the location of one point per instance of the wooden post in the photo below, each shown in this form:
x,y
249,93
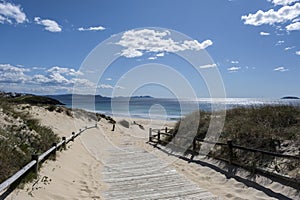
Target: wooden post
x,y
158,136
73,136
64,143
54,152
150,134
194,144
36,167
230,150
113,128
166,130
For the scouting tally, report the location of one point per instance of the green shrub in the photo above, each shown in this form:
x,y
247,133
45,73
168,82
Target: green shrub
x,y
264,128
19,141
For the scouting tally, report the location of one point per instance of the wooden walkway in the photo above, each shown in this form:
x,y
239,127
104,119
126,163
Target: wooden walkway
x,y
133,173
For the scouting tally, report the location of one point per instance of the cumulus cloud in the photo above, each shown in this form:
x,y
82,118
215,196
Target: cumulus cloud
x,y
289,48
282,2
233,69
152,58
108,79
64,70
208,66
10,12
280,42
284,14
19,78
293,27
297,53
49,25
264,33
234,62
160,54
108,86
281,69
136,42
93,28
12,74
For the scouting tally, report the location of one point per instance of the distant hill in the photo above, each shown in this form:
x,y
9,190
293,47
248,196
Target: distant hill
x,y
29,99
69,97
290,97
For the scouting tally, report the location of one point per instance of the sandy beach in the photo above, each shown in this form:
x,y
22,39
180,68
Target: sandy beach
x,y
79,172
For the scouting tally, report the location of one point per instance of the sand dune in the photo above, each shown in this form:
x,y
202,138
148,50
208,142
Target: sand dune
x,y
79,172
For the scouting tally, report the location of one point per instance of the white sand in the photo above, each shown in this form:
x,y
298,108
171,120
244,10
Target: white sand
x,y
76,174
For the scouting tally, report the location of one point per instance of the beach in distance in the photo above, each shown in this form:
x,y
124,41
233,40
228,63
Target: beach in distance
x,y
163,108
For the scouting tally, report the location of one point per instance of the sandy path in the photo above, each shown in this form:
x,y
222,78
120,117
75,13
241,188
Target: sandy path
x,y
130,172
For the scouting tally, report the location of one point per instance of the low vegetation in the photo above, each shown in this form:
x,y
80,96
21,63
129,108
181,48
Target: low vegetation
x,y
20,137
269,128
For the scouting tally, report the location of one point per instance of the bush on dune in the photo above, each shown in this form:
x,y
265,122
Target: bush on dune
x,y
265,128
20,138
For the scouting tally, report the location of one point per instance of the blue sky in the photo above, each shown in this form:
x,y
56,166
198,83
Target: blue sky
x,y
255,45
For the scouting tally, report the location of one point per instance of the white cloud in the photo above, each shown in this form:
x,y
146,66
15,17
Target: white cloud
x,y
208,66
105,86
297,53
282,2
233,69
9,12
108,79
152,58
162,54
136,42
264,33
40,79
289,48
293,27
64,70
50,25
281,69
59,76
108,86
234,62
119,87
296,20
284,14
280,42
12,74
93,28
18,78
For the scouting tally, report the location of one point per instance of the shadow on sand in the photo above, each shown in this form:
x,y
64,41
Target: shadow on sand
x,y
230,172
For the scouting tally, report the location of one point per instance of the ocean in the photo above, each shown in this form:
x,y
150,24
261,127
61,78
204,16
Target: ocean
x,y
167,109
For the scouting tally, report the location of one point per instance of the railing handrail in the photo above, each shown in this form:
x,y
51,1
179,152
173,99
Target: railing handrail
x,y
5,184
235,146
292,181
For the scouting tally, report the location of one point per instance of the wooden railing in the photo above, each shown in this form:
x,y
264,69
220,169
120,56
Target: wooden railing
x,y
155,135
37,159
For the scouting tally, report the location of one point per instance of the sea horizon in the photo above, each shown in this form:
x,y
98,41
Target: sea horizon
x,y
169,109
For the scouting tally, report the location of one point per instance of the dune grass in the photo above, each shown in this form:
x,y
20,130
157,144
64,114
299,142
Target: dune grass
x,y
270,128
20,137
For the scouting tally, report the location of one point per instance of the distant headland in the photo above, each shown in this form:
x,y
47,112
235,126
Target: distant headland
x,y
290,97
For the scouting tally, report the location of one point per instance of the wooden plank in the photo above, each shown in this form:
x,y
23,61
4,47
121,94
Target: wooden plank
x,y
16,176
49,151
137,174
